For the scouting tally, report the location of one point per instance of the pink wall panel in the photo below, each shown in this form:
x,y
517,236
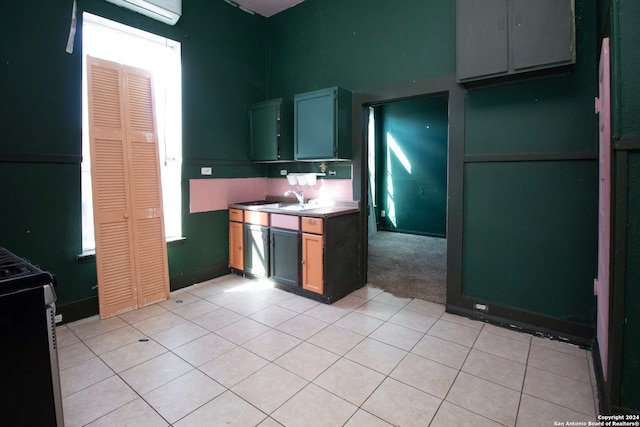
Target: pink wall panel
x,y
330,189
215,194
604,214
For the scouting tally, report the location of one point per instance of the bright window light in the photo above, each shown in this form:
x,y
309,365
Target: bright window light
x,y
119,43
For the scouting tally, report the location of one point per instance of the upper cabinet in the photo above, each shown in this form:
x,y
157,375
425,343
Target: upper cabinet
x,y
322,125
269,139
498,38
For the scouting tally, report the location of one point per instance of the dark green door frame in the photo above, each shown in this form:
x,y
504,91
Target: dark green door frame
x,y
434,86
456,302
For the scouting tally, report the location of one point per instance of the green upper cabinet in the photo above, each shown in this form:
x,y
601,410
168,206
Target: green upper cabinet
x,y
269,139
503,37
322,125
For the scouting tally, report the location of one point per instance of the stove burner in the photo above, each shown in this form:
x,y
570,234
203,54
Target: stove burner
x,y
17,273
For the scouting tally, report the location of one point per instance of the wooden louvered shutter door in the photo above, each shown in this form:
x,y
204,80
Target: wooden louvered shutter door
x,y
148,218
111,197
131,254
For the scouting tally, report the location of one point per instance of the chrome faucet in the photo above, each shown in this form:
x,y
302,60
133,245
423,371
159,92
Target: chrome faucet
x,y
299,195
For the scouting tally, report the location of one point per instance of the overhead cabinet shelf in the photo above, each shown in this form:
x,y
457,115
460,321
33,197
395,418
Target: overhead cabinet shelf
x,y
497,38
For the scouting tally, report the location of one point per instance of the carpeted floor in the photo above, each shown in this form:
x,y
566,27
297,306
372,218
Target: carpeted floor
x,y
408,265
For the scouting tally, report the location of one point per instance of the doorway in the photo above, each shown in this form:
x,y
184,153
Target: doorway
x,y
407,189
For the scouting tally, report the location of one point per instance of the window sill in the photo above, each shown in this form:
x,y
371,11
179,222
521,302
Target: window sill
x,y
90,256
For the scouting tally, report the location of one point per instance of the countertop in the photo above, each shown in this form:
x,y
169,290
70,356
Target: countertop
x,y
324,210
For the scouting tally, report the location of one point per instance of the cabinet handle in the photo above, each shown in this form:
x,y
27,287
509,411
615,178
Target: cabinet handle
x,y
302,262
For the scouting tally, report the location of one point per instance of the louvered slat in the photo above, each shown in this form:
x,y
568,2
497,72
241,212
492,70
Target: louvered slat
x,y
116,259
131,253
110,192
111,198
145,174
106,101
153,274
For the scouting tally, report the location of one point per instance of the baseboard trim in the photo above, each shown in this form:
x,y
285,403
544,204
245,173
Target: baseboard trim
x,y
88,307
604,399
556,329
78,310
192,277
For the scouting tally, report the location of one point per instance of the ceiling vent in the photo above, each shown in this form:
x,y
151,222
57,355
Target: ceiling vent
x,y
167,11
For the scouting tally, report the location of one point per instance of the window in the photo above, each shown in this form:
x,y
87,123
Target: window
x,y
126,45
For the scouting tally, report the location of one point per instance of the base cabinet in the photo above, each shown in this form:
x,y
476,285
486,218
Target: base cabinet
x,y
256,250
284,254
313,263
236,242
318,258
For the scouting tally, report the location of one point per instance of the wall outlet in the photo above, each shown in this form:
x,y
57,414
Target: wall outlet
x,y
481,307
383,213
205,171
283,172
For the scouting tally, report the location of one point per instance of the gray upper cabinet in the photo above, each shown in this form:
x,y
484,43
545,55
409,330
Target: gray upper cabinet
x,y
322,124
504,37
482,38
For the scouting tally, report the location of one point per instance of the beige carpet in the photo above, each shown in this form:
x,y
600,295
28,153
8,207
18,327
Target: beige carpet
x,y
408,265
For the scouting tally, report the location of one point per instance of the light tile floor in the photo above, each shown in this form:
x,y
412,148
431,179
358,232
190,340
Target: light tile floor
x,y
234,351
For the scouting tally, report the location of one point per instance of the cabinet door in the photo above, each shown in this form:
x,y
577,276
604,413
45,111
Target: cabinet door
x,y
313,262
285,256
236,253
264,127
542,33
482,31
256,250
315,124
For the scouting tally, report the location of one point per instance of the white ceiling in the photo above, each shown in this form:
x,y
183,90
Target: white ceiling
x,y
266,7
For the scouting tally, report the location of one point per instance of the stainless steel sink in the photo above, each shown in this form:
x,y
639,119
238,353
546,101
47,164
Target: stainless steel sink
x,y
298,207
257,203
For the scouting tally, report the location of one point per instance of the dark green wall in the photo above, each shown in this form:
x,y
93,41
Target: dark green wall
x,y
419,195
626,130
630,392
223,70
359,44
524,236
530,213
363,45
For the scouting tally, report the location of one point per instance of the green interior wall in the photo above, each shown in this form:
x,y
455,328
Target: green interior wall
x,y
358,45
626,127
417,195
630,390
524,241
530,227
223,71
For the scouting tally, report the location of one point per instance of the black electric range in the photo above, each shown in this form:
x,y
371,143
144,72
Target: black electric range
x,y
17,274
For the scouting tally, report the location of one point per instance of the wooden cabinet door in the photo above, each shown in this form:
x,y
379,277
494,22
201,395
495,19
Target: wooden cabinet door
x,y
542,33
285,255
236,241
315,124
264,123
313,262
482,38
256,250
